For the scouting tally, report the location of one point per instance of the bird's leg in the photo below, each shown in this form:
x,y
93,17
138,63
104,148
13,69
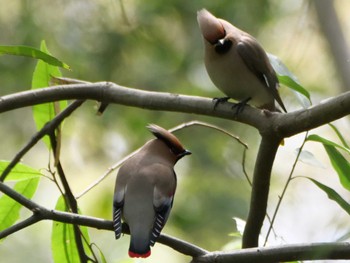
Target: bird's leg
x,y
240,105
219,100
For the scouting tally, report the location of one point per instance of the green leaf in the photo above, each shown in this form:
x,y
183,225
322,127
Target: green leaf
x,y
28,179
19,172
317,138
33,53
289,82
43,113
287,78
64,248
9,208
333,195
340,136
102,256
340,165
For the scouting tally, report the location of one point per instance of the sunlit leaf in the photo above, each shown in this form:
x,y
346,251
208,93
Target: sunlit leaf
x,y
289,82
102,256
33,53
19,172
9,208
333,195
63,244
340,165
43,113
317,138
340,136
28,179
64,248
240,225
287,78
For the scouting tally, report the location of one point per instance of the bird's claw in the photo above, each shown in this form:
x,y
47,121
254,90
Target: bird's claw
x,y
220,100
240,105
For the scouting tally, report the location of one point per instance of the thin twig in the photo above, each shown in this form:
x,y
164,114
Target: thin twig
x,y
208,125
174,129
107,173
70,200
285,188
48,127
244,156
19,226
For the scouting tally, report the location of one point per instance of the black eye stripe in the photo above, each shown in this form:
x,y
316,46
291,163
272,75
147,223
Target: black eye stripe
x,y
222,48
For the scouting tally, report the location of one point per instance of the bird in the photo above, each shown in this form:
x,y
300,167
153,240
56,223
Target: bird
x,y
237,64
144,190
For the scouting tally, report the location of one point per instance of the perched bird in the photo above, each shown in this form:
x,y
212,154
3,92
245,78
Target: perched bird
x,y
144,190
237,64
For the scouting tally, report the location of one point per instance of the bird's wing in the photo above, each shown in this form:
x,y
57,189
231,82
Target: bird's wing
x,y
257,61
162,206
118,203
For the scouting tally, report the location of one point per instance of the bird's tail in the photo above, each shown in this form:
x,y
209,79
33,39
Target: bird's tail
x,y
139,250
139,243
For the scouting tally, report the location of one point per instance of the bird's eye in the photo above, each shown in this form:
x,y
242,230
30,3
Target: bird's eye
x,y
223,46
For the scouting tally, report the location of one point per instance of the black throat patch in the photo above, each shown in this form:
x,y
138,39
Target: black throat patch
x,y
223,46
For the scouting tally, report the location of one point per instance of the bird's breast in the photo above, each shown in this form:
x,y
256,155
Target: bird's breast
x,y
229,73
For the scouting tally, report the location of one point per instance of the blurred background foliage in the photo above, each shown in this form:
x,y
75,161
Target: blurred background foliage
x,y
156,45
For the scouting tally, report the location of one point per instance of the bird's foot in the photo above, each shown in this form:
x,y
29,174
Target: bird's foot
x,y
220,100
240,105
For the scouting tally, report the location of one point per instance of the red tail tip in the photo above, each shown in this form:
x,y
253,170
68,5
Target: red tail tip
x,y
136,255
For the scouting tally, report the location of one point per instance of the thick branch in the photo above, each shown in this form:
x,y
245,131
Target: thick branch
x,y
113,93
285,124
316,251
260,190
303,120
272,126
280,253
41,213
181,246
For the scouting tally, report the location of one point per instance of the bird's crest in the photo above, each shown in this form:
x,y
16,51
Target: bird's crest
x,y
168,138
210,26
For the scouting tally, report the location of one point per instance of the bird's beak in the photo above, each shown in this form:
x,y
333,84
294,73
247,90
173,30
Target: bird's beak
x,y
184,153
187,152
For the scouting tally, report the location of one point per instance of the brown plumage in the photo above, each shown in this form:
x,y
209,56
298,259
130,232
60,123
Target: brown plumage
x,y
144,190
237,64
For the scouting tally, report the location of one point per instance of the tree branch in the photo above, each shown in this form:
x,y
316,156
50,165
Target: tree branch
x,y
272,126
285,125
260,189
41,213
278,253
326,111
70,200
19,226
286,253
46,130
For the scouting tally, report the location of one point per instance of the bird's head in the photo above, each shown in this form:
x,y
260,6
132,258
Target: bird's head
x,y
170,140
213,31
